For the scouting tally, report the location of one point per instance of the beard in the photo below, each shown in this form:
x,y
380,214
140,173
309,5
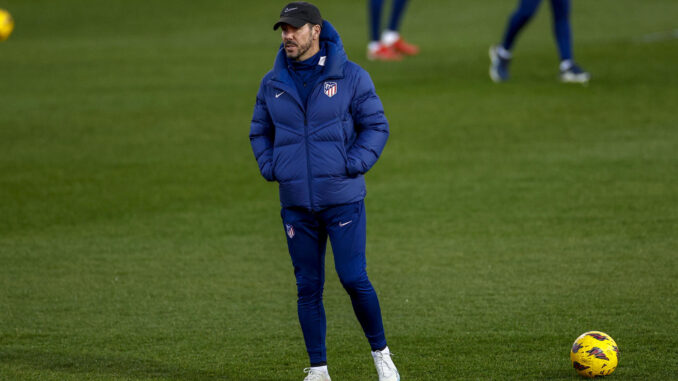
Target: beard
x,y
302,48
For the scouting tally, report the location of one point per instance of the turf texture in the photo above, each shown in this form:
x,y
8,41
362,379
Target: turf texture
x,y
139,242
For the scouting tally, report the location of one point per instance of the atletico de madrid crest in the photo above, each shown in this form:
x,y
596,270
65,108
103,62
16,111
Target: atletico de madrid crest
x,y
330,89
290,230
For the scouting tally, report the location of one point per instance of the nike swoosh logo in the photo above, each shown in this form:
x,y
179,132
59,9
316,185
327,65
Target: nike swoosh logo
x,y
342,224
279,94
289,9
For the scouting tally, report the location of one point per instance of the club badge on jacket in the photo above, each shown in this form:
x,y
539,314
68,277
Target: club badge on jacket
x,y
330,89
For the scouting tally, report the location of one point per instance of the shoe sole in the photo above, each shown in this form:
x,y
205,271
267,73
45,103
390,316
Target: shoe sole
x,y
575,78
406,52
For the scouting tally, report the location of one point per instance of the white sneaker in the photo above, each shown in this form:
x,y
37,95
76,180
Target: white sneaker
x,y
385,367
572,73
316,375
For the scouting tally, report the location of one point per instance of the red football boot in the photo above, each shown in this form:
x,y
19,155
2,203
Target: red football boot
x,y
404,47
383,53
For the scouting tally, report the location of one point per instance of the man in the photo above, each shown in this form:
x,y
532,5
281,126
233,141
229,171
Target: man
x,y
390,47
500,55
318,127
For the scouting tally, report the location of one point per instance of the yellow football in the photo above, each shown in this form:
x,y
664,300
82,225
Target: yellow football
x,y
6,24
594,354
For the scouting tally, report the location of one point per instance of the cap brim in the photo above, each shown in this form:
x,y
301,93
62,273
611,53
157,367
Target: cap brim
x,y
295,22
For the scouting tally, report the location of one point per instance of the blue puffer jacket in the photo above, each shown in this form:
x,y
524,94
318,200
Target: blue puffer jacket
x,y
319,151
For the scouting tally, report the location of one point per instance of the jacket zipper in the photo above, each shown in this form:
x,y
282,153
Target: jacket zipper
x,y
306,137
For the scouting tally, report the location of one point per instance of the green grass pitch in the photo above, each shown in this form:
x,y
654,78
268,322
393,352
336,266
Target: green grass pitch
x,y
139,242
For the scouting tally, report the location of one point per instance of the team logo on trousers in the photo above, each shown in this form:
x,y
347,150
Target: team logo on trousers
x,y
330,89
290,230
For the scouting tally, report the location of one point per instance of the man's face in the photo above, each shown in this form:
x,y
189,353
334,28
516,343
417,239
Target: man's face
x,y
297,41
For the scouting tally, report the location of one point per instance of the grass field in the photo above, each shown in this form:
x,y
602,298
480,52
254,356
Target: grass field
x,y
139,242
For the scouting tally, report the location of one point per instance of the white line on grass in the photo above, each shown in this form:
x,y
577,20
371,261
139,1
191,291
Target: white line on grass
x,y
659,36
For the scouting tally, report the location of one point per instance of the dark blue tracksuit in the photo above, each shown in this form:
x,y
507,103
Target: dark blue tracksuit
x,y
561,24
317,128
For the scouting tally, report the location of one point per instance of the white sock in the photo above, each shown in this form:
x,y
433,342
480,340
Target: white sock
x,y
389,37
565,65
373,46
322,368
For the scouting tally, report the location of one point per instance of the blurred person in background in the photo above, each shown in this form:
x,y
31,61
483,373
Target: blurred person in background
x,y
387,45
500,55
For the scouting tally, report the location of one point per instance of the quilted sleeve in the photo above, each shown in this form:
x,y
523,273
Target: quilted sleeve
x,y
370,124
262,135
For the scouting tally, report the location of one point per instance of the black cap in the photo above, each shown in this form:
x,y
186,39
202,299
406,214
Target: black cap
x,y
298,13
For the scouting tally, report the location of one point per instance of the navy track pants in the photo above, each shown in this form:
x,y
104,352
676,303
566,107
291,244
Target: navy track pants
x,y
307,234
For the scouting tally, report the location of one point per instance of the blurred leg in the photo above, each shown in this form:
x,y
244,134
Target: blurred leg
x,y
375,7
397,14
561,28
517,21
